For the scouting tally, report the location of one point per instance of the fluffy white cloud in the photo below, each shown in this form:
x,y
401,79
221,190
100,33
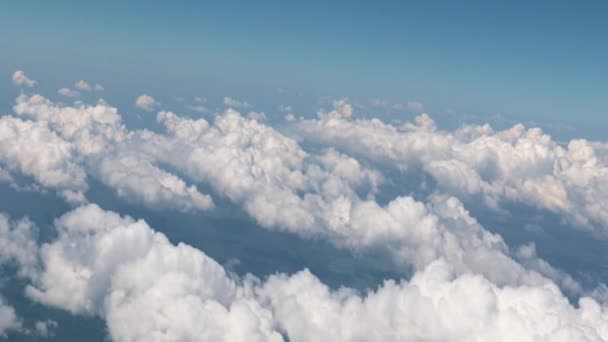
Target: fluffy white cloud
x,y
435,305
236,103
8,318
108,153
45,328
67,92
31,148
18,244
20,79
147,103
145,287
149,289
518,164
86,86
281,186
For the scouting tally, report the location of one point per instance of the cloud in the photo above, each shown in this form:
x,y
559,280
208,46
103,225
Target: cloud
x,y
285,108
86,86
322,195
8,318
147,103
95,142
147,288
45,328
18,244
236,103
198,108
515,165
68,92
20,79
50,160
435,305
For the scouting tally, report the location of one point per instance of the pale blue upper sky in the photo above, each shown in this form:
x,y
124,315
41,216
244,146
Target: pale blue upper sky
x,y
542,60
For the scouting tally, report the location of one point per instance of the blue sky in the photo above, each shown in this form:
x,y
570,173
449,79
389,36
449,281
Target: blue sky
x,y
540,61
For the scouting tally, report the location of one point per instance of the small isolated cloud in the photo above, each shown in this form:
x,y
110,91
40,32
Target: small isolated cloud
x,y
86,86
20,79
236,103
45,328
198,108
414,105
285,108
146,103
67,92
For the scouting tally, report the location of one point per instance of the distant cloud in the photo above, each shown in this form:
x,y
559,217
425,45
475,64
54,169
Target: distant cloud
x,y
415,105
410,105
147,103
285,108
86,86
20,79
198,108
236,103
67,92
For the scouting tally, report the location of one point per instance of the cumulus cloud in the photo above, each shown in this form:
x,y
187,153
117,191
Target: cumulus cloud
x,y
20,79
94,141
8,318
50,160
228,101
145,287
149,289
326,194
67,92
517,164
18,244
435,305
147,103
45,328
86,86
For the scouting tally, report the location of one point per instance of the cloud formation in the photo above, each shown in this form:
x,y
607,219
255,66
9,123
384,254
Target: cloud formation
x,y
147,103
515,165
149,289
86,86
20,79
228,101
326,194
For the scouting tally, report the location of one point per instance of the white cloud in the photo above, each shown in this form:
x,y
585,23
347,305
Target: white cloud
x,y
435,305
145,287
83,85
149,289
86,86
147,103
18,244
8,319
68,92
276,182
518,164
236,103
285,108
50,160
20,79
107,152
198,108
45,328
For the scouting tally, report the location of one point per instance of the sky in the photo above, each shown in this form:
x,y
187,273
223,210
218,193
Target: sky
x,y
541,61
290,171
